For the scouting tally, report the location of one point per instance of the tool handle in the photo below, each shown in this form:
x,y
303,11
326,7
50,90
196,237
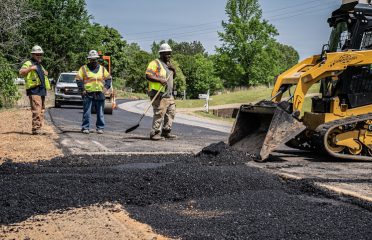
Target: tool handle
x,y
156,95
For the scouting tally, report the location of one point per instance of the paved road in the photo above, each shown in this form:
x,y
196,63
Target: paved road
x,y
182,118
219,194
68,119
348,178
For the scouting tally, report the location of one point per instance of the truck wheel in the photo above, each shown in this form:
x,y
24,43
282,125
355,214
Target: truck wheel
x,y
57,104
108,108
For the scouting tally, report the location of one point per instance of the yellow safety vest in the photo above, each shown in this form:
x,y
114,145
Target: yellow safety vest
x,y
93,82
32,79
156,69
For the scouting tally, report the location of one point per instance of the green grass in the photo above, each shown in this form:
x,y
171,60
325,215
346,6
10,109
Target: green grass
x,y
246,96
127,95
251,95
211,116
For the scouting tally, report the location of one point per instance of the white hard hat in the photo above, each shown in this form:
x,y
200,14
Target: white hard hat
x,y
165,48
37,50
93,54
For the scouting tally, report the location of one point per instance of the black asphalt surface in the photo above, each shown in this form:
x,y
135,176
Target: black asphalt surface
x,y
212,195
191,139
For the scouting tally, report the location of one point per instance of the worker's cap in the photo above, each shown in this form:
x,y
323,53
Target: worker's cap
x,y
93,54
165,48
37,50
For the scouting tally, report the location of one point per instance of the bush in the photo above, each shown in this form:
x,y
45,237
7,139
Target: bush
x,y
8,90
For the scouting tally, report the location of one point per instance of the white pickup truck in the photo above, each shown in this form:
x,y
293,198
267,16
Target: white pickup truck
x,y
67,91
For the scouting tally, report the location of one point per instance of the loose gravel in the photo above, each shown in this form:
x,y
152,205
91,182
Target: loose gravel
x,y
212,195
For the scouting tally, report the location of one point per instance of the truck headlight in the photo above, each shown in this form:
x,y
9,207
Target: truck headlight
x,y
60,90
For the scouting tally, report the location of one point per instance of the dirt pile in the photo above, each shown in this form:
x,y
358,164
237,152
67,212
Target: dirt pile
x,y
105,222
220,154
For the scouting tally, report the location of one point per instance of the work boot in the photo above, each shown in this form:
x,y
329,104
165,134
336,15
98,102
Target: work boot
x,y
85,131
168,135
157,137
99,131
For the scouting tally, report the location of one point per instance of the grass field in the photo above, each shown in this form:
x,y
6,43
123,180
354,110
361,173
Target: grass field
x,y
211,116
129,95
248,96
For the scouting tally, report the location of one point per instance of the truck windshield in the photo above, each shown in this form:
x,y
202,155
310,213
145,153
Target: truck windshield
x,y
67,78
339,37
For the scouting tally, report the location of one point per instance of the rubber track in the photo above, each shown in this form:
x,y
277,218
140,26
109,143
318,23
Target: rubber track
x,y
323,130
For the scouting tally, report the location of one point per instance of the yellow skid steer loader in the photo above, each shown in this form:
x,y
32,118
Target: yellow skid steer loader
x,y
340,120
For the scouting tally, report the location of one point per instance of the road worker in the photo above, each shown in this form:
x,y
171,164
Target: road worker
x,y
160,75
93,81
37,84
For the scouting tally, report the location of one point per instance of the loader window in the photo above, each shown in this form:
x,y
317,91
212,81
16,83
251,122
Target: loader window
x,y
339,37
367,40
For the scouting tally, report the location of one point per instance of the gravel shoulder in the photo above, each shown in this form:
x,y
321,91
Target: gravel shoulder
x,y
104,221
17,142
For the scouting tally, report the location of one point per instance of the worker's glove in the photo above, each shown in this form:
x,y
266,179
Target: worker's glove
x,y
33,68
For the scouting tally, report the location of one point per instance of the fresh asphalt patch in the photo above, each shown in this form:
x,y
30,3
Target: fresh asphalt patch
x,y
211,195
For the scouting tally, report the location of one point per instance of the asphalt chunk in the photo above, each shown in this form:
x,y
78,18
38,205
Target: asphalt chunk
x,y
212,195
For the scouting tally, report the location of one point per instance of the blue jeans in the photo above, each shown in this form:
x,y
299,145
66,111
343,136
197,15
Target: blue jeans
x,y
99,104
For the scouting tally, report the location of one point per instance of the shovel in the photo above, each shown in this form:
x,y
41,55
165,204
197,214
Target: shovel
x,y
148,107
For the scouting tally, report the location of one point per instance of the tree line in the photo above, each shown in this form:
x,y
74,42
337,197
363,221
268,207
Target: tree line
x,y
249,54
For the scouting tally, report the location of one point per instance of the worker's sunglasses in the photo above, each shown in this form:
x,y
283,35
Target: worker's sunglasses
x,y
38,55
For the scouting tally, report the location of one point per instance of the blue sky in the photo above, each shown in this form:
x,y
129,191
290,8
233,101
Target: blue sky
x,y
301,23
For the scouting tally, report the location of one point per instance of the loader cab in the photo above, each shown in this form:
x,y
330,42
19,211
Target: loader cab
x,y
351,27
340,37
351,30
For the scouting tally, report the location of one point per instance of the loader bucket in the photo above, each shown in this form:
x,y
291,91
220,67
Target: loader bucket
x,y
283,128
250,127
260,129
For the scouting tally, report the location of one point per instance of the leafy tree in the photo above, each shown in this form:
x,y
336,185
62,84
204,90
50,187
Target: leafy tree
x,y
180,80
135,68
244,56
60,30
200,74
12,15
8,90
184,48
109,41
288,57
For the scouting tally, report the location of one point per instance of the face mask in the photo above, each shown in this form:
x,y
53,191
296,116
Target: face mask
x,y
94,63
